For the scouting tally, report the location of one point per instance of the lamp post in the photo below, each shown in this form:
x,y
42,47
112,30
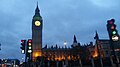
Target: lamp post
x,y
65,43
66,60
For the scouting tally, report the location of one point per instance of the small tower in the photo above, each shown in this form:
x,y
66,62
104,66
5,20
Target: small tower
x,y
74,42
96,36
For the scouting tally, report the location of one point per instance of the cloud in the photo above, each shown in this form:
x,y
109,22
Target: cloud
x,y
105,3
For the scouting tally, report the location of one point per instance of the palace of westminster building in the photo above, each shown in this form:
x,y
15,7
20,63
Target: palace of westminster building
x,y
56,53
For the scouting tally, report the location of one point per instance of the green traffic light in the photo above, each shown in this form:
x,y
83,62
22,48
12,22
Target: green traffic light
x,y
114,32
30,47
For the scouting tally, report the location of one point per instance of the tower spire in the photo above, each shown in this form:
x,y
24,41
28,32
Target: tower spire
x,y
37,9
37,3
75,41
96,36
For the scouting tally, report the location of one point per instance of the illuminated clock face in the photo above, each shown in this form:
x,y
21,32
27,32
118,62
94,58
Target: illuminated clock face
x,y
37,23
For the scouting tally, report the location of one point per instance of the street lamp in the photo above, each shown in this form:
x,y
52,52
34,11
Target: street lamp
x,y
65,43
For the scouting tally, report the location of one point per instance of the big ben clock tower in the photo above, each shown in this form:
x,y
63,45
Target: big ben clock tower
x,y
37,24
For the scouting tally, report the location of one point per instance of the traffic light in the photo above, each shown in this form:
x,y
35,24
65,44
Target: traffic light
x,y
23,46
113,33
29,46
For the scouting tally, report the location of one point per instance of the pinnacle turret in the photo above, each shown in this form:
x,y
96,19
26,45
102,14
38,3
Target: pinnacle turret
x,y
75,40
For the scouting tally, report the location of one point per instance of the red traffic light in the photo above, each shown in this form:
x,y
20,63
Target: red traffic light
x,y
22,41
29,40
112,27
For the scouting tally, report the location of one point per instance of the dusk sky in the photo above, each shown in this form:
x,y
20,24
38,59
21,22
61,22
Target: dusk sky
x,y
62,19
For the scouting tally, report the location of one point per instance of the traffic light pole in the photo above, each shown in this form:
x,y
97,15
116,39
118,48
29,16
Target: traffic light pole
x,y
114,54
25,51
114,37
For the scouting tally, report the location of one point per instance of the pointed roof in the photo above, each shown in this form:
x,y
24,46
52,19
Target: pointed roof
x,y
96,36
75,41
37,9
